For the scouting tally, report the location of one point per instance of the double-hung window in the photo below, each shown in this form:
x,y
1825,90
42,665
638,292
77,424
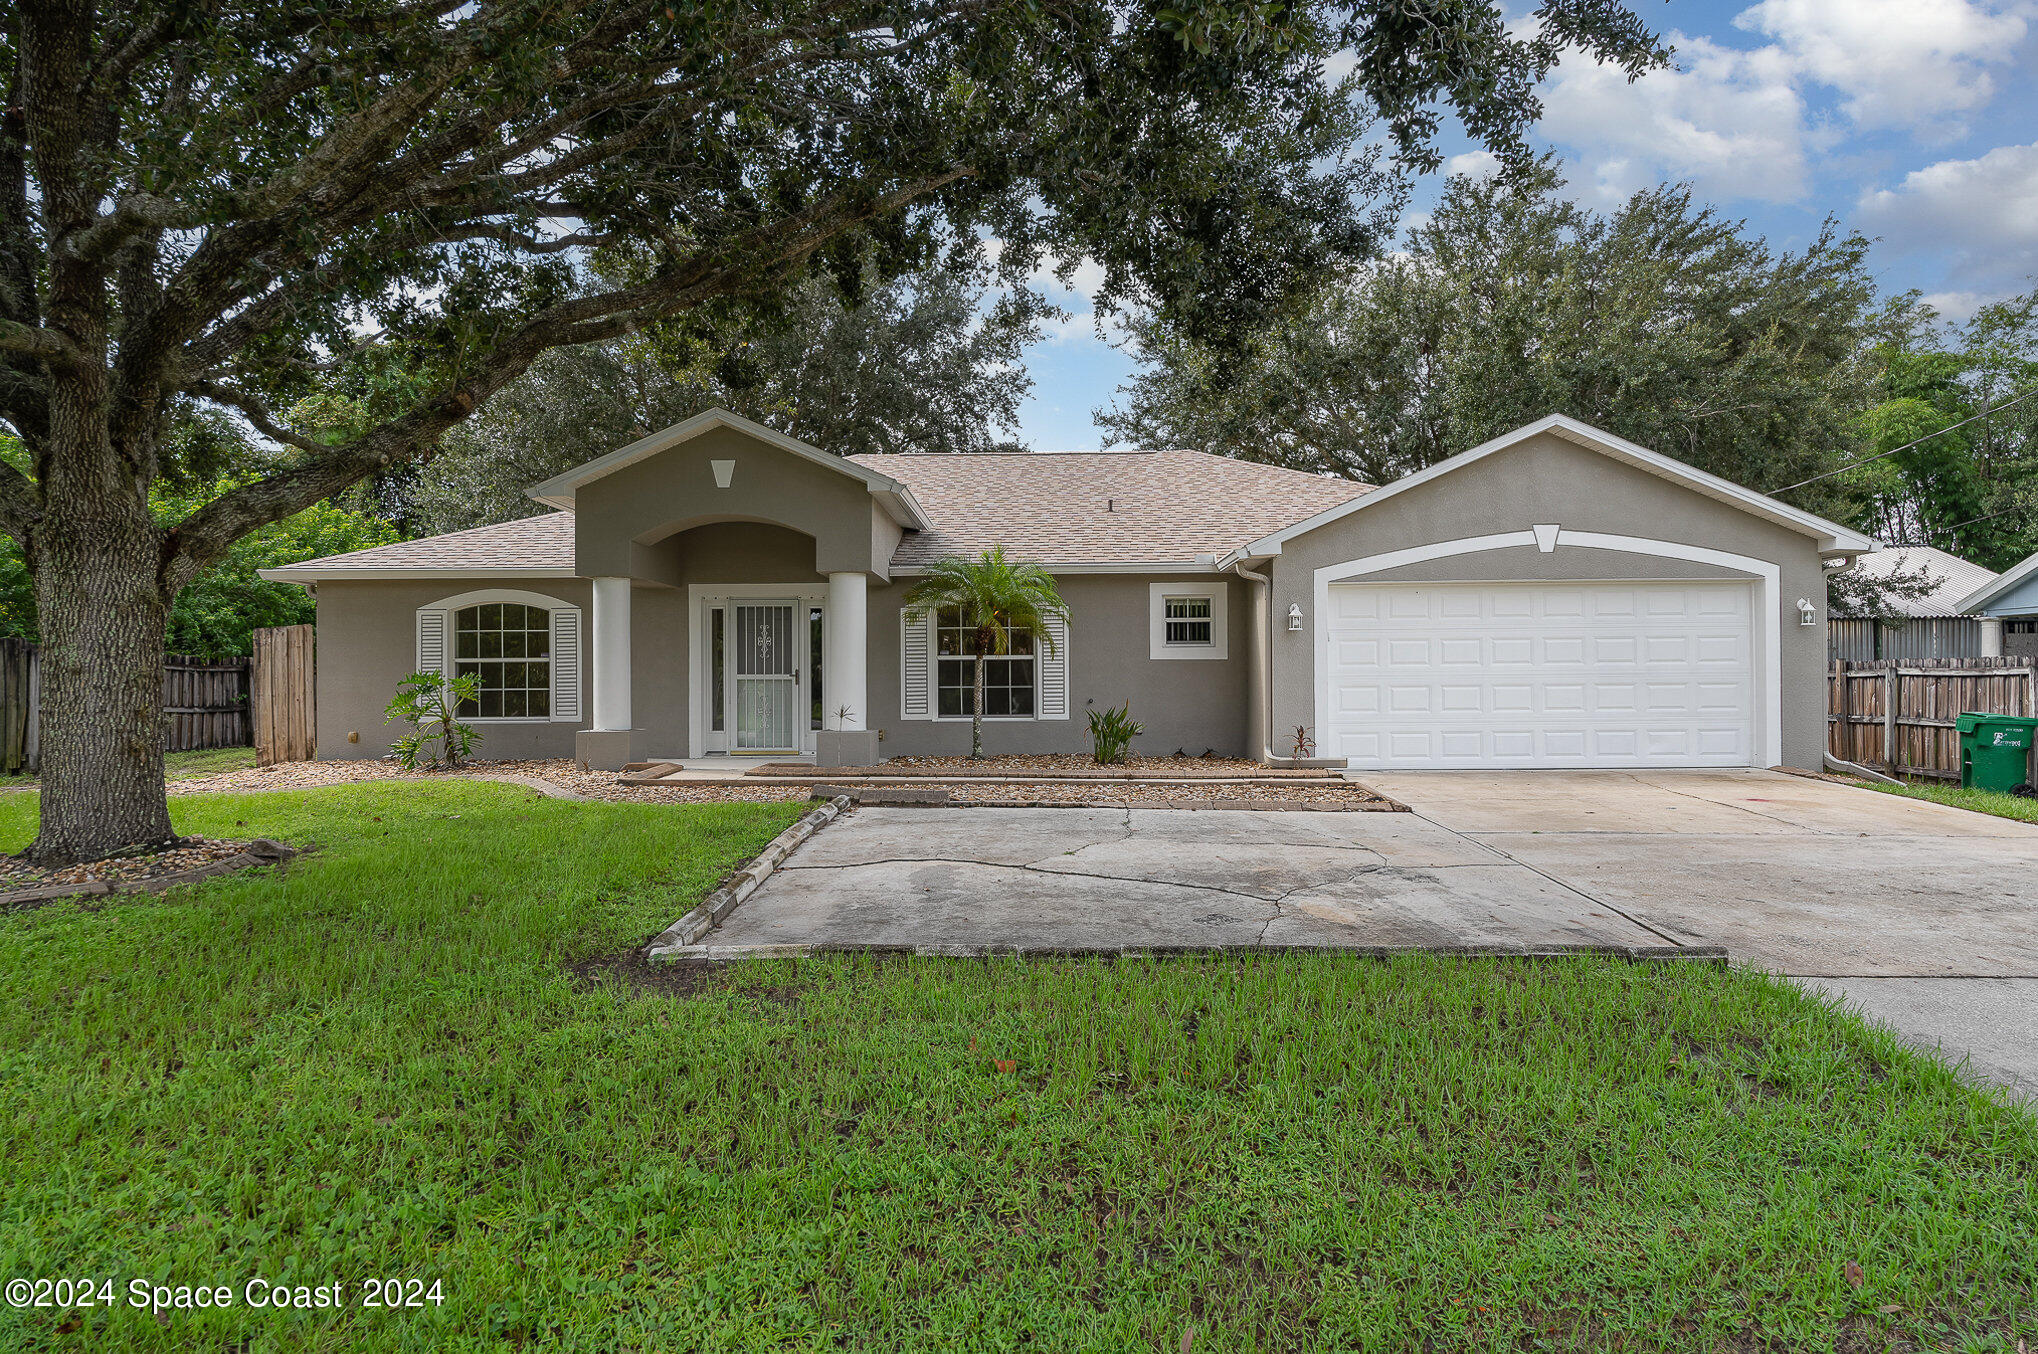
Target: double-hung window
x,y
508,646
1009,677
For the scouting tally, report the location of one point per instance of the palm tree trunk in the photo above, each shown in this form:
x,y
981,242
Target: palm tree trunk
x,y
976,713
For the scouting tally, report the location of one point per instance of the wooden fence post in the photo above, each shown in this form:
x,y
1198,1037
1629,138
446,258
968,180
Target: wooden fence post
x,y
1890,687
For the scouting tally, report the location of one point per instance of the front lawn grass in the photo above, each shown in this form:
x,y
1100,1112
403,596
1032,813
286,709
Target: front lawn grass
x,y
176,766
383,1063
1980,801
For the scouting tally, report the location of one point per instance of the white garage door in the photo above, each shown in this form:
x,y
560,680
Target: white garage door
x,y
1541,674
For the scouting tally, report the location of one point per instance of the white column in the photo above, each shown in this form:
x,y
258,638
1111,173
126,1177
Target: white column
x,y
843,650
612,653
1991,636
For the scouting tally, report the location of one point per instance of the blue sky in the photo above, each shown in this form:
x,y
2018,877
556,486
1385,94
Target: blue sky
x,y
1914,121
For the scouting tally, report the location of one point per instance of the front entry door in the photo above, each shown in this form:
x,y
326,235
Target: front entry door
x,y
766,709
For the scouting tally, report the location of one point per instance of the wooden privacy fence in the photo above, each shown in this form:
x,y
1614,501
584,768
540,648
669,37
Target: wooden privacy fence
x,y
1899,714
284,709
20,694
205,704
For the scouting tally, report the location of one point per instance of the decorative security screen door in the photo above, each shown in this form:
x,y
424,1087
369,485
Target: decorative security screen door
x,y
766,690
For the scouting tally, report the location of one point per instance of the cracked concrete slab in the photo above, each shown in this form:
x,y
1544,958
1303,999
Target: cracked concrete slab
x,y
1106,880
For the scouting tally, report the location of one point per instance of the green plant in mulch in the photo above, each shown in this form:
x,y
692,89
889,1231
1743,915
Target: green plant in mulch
x,y
1112,732
429,702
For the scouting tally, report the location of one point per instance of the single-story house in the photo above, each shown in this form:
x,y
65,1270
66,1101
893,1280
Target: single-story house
x,y
2008,606
1557,597
1934,625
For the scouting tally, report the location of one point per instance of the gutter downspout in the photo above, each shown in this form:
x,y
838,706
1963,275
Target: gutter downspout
x,y
1266,711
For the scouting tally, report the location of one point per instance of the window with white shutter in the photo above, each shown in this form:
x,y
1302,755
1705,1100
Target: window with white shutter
x,y
523,649
915,668
1054,671
431,641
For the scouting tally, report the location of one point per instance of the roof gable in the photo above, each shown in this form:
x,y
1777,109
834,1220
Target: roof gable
x,y
2001,589
1831,536
560,490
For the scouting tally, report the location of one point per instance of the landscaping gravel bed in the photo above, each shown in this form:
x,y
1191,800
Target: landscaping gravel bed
x,y
566,775
561,772
17,874
1079,765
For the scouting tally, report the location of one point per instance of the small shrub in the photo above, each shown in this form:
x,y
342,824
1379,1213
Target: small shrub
x,y
1305,746
427,701
1112,732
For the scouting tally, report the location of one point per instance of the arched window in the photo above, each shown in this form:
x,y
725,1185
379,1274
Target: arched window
x,y
522,648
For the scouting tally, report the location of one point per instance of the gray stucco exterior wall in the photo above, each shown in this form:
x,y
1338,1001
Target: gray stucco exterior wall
x,y
1191,704
620,518
367,645
1542,480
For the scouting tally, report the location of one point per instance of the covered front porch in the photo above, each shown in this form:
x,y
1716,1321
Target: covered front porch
x,y
729,569
773,671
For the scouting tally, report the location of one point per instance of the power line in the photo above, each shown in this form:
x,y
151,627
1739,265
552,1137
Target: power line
x,y
1884,455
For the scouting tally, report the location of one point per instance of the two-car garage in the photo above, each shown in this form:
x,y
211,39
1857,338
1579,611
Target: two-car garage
x,y
1604,674
1556,598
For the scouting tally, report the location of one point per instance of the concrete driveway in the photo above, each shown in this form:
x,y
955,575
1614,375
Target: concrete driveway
x,y
1922,915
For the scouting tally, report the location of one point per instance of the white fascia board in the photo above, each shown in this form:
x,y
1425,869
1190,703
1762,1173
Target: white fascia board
x,y
2003,583
291,573
560,489
1831,536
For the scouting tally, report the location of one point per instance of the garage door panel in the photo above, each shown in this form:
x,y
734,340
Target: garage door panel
x,y
1470,675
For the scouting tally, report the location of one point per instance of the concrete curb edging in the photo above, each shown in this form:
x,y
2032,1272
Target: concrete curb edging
x,y
682,934
718,954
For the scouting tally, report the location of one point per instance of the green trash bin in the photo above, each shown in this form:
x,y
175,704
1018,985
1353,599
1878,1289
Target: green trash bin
x,y
1995,750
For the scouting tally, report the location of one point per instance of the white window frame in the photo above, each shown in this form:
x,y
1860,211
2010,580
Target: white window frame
x,y
563,665
934,661
1158,595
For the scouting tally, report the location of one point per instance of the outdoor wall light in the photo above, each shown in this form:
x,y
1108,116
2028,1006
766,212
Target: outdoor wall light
x,y
1294,615
1806,613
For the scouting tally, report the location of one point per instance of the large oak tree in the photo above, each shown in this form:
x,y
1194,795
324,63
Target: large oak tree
x,y
226,201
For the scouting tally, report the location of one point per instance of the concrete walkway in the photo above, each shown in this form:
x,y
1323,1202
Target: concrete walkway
x,y
1923,916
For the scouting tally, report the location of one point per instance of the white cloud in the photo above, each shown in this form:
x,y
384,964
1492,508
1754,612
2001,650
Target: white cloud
x,y
1730,121
1983,212
1479,164
1957,305
1898,63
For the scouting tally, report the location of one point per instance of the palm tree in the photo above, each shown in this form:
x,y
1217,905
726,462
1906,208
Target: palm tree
x,y
995,597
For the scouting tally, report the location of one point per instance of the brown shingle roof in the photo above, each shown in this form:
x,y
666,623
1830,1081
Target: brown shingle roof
x,y
1053,508
1093,507
544,542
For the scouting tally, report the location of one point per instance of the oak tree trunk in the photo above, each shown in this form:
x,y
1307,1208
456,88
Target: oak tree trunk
x,y
104,618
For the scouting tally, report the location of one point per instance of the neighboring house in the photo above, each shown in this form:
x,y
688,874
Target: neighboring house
x,y
2008,606
1557,597
1936,627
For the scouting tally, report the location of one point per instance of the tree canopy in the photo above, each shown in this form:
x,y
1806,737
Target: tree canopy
x,y
930,362
1661,322
1969,490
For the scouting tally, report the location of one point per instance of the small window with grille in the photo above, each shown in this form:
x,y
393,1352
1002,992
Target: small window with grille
x,y
1188,622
